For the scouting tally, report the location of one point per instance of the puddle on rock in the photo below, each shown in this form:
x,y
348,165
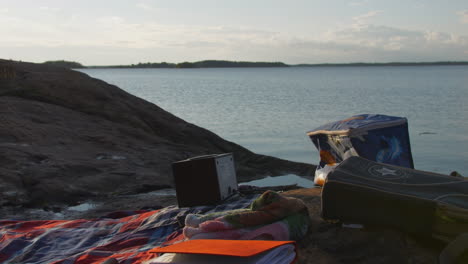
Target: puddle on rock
x,y
280,181
82,207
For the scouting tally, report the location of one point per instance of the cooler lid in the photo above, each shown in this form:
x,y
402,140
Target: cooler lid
x,y
357,123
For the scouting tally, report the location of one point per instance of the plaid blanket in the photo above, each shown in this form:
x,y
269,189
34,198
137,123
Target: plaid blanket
x,y
127,239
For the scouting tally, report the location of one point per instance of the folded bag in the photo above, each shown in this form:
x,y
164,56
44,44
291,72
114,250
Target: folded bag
x,y
425,203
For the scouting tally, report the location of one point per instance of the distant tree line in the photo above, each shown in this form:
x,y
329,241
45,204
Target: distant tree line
x,y
199,64
140,65
228,64
238,64
357,64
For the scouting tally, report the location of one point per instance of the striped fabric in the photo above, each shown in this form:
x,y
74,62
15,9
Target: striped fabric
x,y
127,239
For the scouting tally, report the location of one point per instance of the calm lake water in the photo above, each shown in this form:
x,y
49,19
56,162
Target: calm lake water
x,y
269,110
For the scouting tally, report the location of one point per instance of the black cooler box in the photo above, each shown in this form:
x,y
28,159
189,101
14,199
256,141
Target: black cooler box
x,y
367,192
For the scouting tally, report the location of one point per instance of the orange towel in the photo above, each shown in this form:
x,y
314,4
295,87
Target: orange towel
x,y
235,248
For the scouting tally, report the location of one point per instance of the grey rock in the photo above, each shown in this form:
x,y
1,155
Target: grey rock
x,y
66,137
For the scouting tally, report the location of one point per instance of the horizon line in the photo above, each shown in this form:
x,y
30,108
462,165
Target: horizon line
x,y
282,64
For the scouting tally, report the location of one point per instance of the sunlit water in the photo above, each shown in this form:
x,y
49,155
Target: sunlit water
x,y
269,110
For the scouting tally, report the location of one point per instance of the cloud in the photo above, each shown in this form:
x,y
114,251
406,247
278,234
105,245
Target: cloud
x,y
383,43
112,38
463,16
113,21
367,15
144,6
362,20
4,10
441,37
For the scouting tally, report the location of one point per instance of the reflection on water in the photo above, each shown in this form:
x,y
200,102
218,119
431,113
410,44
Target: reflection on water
x,y
82,207
281,180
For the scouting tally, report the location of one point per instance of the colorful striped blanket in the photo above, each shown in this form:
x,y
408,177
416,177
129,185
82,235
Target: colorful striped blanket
x,y
127,239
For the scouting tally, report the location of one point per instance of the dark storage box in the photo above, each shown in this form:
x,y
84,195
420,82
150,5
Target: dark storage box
x,y
204,180
367,192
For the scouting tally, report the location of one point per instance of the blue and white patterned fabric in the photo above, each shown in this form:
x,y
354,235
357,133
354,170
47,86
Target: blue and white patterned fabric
x,y
375,137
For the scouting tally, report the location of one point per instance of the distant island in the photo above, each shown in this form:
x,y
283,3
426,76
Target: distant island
x,y
359,64
199,64
246,64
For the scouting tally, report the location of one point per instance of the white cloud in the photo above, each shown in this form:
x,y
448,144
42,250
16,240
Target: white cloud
x,y
144,6
4,10
442,37
367,15
382,43
362,20
113,38
113,21
115,31
463,16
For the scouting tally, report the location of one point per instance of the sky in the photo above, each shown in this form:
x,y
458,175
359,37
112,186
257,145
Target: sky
x,y
101,32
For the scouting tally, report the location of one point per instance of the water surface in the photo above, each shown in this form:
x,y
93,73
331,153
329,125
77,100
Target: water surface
x,y
269,110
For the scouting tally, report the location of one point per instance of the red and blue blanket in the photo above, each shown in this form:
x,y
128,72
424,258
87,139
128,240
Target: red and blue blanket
x,y
126,236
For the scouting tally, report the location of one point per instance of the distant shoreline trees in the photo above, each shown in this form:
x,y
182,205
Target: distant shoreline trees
x,y
229,64
246,64
360,64
199,64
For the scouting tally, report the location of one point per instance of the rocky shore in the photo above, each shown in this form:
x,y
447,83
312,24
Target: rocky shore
x,y
66,138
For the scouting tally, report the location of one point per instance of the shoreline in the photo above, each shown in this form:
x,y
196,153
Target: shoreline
x,y
245,64
391,64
